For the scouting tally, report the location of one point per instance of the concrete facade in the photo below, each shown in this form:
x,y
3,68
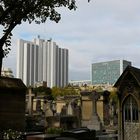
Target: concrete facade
x,y
42,60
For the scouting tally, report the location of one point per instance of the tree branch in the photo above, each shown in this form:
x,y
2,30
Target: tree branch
x,y
7,11
8,31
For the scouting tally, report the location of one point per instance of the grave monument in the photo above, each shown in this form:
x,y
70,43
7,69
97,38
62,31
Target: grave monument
x,y
90,118
128,90
12,104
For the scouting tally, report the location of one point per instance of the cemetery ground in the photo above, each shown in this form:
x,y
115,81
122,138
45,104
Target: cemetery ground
x,y
66,118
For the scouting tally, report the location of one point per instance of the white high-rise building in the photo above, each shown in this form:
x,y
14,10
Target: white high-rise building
x,y
42,60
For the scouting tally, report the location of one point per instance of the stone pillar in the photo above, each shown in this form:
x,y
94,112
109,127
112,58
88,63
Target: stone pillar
x,y
90,117
30,101
120,130
69,109
95,122
47,109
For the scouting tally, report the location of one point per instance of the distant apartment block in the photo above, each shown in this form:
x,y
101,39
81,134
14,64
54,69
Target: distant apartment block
x,y
108,72
42,60
80,82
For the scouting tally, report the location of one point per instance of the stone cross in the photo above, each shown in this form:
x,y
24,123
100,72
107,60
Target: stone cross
x,y
30,101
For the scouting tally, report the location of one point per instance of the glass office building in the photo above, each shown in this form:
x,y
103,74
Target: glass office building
x,y
108,72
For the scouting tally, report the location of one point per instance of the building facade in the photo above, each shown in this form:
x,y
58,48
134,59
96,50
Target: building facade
x,y
80,82
42,60
108,72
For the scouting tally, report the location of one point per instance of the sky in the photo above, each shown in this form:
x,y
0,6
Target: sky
x,y
99,31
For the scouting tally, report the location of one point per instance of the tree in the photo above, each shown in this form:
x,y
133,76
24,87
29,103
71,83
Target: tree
x,y
56,91
46,91
14,12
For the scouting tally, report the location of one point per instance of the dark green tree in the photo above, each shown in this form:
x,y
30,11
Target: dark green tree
x,y
46,91
14,12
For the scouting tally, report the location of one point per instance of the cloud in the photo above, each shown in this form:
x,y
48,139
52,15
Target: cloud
x,y
101,30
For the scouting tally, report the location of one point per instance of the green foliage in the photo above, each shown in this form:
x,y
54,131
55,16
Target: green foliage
x,y
64,91
45,91
54,130
70,91
56,92
14,12
12,135
98,89
113,96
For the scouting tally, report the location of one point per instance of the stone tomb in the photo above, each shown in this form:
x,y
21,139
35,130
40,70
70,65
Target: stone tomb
x,y
69,110
12,104
90,118
128,86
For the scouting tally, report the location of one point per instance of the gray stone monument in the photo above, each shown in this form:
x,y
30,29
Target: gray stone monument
x,y
90,118
47,109
30,101
69,109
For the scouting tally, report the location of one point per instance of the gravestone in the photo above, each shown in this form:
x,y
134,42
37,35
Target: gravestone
x,y
12,104
90,118
60,103
51,119
69,109
47,109
70,114
29,98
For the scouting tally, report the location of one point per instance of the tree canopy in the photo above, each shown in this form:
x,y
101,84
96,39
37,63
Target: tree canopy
x,y
14,12
45,91
64,91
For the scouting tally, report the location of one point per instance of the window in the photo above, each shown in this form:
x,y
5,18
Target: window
x,y
130,110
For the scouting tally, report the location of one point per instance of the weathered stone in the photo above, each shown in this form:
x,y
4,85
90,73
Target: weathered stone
x,y
80,134
128,89
90,117
12,104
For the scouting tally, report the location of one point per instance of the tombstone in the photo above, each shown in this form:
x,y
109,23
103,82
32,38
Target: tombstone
x,y
47,109
77,111
90,117
60,103
128,86
12,104
29,98
69,118
64,111
69,109
49,118
68,122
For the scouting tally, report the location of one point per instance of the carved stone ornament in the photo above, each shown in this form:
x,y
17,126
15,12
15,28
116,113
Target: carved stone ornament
x,y
130,86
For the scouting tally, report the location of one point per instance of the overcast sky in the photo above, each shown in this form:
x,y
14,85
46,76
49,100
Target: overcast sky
x,y
99,31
